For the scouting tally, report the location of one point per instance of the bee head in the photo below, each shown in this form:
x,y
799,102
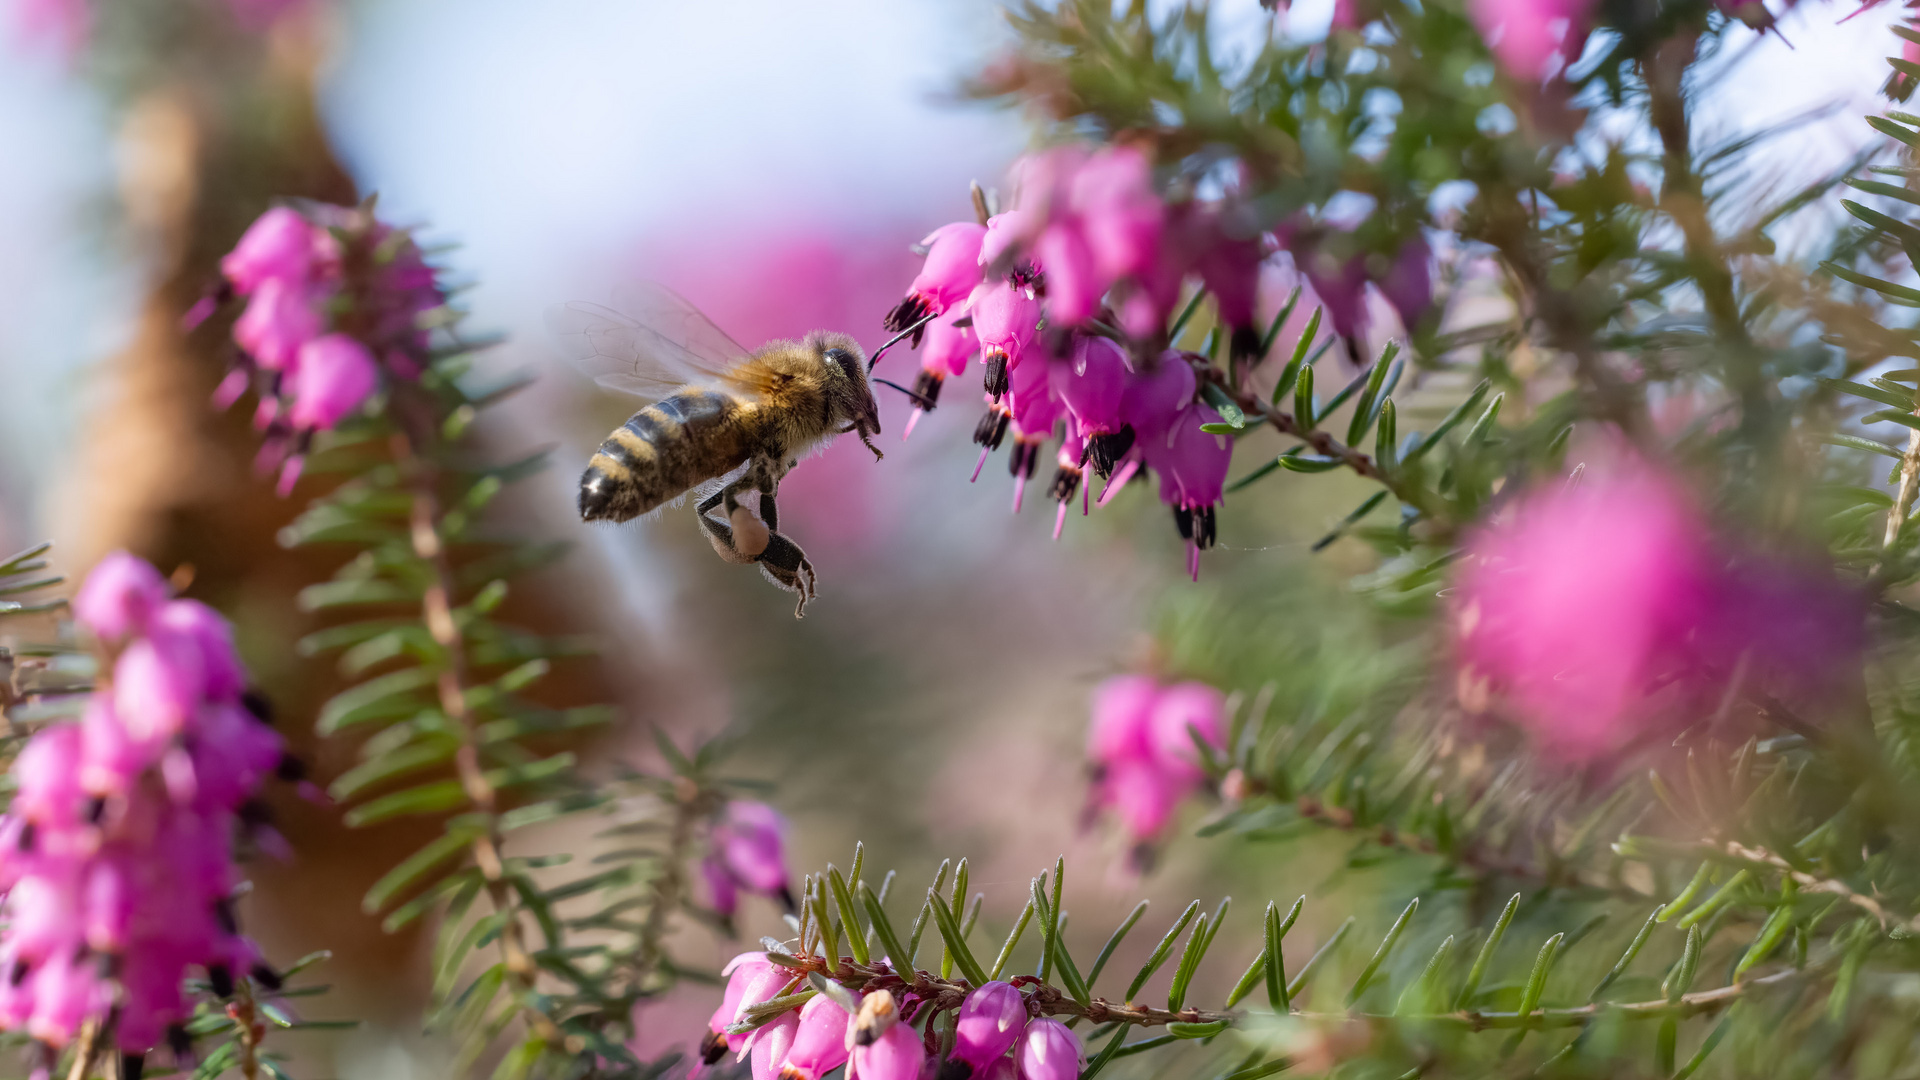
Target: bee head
x,y
848,391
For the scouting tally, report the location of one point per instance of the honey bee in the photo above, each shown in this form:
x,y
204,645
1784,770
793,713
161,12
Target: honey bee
x,y
723,421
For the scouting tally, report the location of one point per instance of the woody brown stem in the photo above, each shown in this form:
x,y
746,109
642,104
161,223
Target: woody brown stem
x,y
437,610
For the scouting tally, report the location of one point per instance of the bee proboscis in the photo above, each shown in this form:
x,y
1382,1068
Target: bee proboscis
x,y
723,421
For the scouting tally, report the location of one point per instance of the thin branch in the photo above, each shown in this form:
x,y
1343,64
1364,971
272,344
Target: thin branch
x,y
1888,920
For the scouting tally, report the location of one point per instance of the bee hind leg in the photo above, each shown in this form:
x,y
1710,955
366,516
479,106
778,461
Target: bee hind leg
x,y
742,536
786,565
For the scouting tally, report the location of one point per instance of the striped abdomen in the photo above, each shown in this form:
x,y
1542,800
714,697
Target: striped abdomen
x,y
661,452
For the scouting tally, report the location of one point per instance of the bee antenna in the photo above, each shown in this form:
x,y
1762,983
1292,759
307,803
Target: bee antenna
x,y
919,399
895,339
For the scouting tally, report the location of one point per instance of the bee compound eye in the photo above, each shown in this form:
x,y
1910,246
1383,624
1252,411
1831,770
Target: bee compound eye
x,y
839,357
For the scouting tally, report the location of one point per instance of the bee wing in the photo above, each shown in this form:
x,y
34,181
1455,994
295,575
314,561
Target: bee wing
x,y
650,342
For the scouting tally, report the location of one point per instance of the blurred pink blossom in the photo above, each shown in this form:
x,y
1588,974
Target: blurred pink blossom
x,y
748,852
821,1044
1049,1050
1533,39
119,596
1141,743
332,376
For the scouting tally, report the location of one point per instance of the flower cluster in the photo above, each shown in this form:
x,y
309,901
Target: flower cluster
x,y
1144,744
1039,294
333,299
116,854
1599,616
994,1036
747,850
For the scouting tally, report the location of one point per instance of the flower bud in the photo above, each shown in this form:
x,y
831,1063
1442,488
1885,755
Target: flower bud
x,y
771,1043
820,1045
278,321
334,375
119,596
990,1021
278,245
1048,1051
896,1054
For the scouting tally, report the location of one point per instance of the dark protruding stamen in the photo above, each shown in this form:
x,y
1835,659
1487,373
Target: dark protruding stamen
x,y
992,429
1066,484
927,386
997,379
1204,532
905,313
258,706
96,809
291,768
1183,520
132,1066
221,979
180,1045
27,835
1024,459
1105,451
223,914
267,977
713,1047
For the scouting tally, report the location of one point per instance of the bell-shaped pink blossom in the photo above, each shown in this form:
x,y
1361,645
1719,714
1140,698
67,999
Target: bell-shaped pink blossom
x,y
1159,396
897,1054
119,596
990,1021
1229,261
742,972
1074,285
771,1043
279,320
1183,714
1091,384
1001,1068
749,841
761,984
1120,214
334,374
157,684
1005,319
1009,232
948,347
1533,38
212,638
278,245
722,894
1575,606
950,274
1122,719
821,1043
47,778
1341,285
1031,400
1193,468
1408,283
952,270
1048,1050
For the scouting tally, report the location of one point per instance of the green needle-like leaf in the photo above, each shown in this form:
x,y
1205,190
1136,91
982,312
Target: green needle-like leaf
x,y
1276,962
1161,950
1380,954
883,929
1626,958
1290,375
1006,949
849,915
1299,982
1537,978
1479,969
949,928
1113,942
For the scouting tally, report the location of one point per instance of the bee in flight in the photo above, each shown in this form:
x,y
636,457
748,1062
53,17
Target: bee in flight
x,y
723,421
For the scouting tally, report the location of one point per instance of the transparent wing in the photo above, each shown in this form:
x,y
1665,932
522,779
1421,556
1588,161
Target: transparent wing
x,y
648,342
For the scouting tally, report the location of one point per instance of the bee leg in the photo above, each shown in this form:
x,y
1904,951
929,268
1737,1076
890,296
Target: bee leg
x,y
741,538
786,566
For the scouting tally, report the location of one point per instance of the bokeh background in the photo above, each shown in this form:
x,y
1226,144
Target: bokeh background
x,y
772,162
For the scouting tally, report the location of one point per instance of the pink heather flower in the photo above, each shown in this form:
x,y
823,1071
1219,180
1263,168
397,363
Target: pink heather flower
x,y
952,271
1048,1050
1182,713
279,319
1001,1069
771,1043
1578,603
1067,477
743,972
118,861
1158,397
990,1021
1193,473
1120,214
119,596
1143,755
897,1054
1122,719
1533,39
821,1042
1229,262
334,374
1074,286
751,841
1009,232
278,245
1408,284
1091,384
723,894
1005,319
946,352
1341,286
